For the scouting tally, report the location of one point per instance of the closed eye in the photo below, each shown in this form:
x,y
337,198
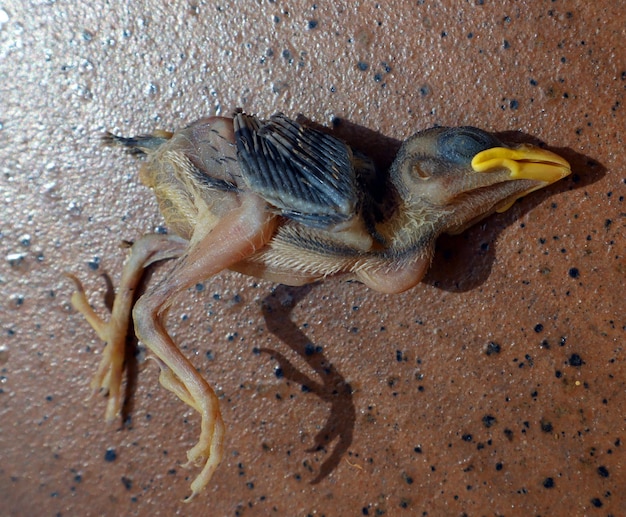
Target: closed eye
x,y
420,173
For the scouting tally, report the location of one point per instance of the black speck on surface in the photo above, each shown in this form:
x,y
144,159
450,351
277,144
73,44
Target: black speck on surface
x,y
94,263
546,426
467,437
596,502
575,360
279,372
603,471
548,483
499,466
573,272
362,66
514,104
489,421
312,24
110,455
408,479
127,482
538,328
509,434
492,348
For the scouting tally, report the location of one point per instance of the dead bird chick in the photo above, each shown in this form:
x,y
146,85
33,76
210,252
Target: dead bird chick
x,y
285,202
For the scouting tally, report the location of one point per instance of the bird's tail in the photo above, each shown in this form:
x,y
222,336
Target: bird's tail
x,y
141,144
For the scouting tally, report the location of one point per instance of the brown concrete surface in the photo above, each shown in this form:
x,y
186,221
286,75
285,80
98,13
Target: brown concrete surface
x,y
495,387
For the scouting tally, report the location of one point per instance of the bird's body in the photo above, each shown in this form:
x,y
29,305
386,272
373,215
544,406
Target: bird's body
x,y
289,203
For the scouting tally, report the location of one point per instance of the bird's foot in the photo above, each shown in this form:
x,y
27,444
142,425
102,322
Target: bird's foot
x,y
108,377
208,452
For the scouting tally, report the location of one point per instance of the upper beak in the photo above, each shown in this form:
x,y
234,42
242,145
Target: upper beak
x,y
525,162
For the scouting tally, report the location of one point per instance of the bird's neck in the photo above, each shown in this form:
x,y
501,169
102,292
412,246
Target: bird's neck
x,y
412,229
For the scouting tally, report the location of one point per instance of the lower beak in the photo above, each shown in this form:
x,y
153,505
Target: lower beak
x,y
525,162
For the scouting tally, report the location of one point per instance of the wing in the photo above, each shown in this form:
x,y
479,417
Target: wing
x,y
308,175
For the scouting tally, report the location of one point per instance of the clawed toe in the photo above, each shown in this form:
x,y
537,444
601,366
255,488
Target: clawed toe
x,y
108,380
171,382
196,393
209,450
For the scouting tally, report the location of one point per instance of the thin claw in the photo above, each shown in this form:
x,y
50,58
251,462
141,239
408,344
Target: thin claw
x,y
113,409
81,304
77,283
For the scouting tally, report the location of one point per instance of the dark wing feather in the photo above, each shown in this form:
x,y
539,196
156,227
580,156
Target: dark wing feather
x,y
306,174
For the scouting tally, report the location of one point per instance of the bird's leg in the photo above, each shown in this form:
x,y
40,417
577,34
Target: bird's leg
x,y
108,377
238,234
387,275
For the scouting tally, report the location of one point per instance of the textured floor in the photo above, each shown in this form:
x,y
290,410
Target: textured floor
x,y
495,387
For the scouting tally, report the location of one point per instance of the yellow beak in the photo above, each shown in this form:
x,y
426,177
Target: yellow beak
x,y
525,162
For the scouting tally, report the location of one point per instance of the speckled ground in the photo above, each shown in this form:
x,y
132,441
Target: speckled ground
x,y
495,387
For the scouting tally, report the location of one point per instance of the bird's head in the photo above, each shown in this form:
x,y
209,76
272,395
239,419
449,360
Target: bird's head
x,y
463,174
